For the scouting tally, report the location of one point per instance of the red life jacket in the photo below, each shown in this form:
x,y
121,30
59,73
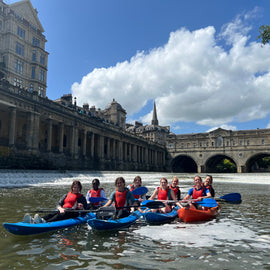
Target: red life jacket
x,y
175,189
120,198
71,199
131,189
164,194
197,193
96,193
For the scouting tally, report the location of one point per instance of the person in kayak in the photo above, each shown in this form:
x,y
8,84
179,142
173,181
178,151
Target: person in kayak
x,y
122,198
164,193
198,191
95,192
174,186
72,200
208,184
137,182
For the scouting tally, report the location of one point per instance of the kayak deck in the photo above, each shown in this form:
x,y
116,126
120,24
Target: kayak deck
x,y
197,215
23,228
156,218
113,224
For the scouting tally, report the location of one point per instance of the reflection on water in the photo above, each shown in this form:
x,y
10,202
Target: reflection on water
x,y
238,239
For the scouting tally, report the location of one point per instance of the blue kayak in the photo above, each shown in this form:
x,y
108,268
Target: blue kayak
x,y
160,218
23,228
113,224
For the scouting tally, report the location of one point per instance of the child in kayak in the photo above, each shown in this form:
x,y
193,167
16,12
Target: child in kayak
x,y
137,182
164,193
174,186
122,198
198,191
95,192
72,200
208,184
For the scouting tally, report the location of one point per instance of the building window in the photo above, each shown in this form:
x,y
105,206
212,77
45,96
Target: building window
x,y
19,48
35,42
262,141
200,144
213,144
31,88
33,72
18,82
42,59
0,24
233,143
227,143
41,91
240,142
194,145
18,66
207,144
20,32
41,75
34,54
247,142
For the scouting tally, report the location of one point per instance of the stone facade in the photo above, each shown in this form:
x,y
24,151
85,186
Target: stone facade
x,y
36,132
204,150
23,59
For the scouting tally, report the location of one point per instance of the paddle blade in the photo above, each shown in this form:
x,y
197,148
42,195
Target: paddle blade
x,y
140,191
155,205
232,197
97,199
207,202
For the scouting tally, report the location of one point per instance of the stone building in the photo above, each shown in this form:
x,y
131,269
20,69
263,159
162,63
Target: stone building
x,y
23,59
153,132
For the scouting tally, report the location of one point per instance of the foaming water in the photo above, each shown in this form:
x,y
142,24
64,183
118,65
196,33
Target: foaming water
x,y
56,178
208,234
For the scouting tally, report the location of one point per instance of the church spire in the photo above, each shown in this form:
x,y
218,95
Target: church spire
x,y
154,119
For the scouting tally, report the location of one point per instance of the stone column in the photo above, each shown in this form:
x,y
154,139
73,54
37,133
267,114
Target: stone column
x,y
49,136
120,150
12,126
61,137
84,143
108,148
92,145
29,135
75,141
35,143
101,147
113,149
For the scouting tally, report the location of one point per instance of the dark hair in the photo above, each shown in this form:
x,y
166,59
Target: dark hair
x,y
137,178
95,181
76,182
211,178
119,179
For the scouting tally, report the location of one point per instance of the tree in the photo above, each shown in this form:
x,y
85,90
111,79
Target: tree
x,y
264,34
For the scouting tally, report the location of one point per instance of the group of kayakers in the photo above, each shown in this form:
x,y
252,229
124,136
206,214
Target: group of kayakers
x,y
122,197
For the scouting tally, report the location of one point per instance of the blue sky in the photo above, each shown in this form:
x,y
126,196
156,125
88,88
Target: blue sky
x,y
199,60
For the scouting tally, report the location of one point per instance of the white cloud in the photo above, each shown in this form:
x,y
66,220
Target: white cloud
x,y
191,78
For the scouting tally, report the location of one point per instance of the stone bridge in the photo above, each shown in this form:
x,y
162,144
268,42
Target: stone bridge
x,y
201,152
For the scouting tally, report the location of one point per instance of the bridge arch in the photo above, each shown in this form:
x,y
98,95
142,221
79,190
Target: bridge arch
x,y
183,163
212,164
255,164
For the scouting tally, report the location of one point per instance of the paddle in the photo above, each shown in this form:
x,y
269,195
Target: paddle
x,y
108,208
207,202
140,191
97,199
232,198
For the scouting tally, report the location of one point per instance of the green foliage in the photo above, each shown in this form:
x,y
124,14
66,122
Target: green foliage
x,y
264,34
226,166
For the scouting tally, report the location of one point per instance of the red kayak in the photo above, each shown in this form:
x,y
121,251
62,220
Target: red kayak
x,y
195,215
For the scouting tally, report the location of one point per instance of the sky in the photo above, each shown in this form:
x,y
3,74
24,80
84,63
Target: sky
x,y
200,61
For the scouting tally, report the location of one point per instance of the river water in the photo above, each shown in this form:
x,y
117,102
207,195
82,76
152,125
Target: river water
x,y
239,238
